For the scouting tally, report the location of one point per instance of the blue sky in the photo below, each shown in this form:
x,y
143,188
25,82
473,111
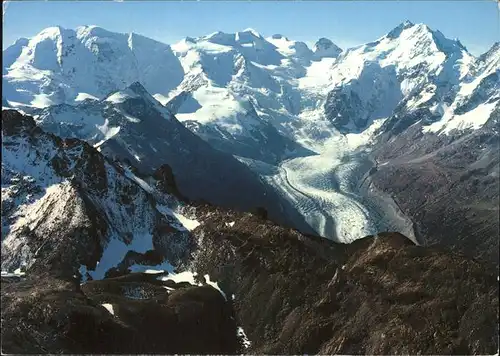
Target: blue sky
x,y
475,23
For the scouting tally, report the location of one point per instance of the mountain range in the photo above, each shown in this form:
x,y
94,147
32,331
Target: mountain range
x,y
129,167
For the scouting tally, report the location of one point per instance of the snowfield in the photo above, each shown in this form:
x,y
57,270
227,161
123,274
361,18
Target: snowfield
x,y
323,186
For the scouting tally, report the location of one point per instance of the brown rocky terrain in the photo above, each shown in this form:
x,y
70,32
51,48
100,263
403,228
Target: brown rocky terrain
x,y
379,295
290,292
48,315
447,185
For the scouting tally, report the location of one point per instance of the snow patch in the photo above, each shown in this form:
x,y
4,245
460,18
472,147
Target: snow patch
x,y
85,96
188,223
116,250
109,308
186,276
41,101
215,285
189,276
148,269
16,273
474,119
241,334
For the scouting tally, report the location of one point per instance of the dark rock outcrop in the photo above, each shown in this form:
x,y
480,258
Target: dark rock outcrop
x,y
47,315
166,181
379,295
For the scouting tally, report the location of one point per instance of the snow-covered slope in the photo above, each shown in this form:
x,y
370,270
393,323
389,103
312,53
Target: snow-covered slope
x,y
62,202
237,92
63,66
234,84
476,98
417,65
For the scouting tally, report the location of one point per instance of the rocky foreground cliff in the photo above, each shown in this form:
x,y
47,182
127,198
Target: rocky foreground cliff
x,y
86,274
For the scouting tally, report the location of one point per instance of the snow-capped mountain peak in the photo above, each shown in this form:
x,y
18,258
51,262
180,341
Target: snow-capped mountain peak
x,y
422,36
50,32
121,96
214,78
289,48
21,41
326,48
217,37
493,51
137,102
12,53
415,51
491,58
62,65
252,32
396,31
92,31
136,89
446,45
239,38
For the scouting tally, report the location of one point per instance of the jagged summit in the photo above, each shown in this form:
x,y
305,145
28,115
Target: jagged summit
x,y
326,48
445,44
87,28
214,35
134,90
138,88
408,30
407,23
225,38
136,95
51,31
494,47
252,31
395,32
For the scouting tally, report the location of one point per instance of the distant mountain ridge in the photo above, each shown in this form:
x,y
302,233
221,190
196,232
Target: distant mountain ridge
x,y
310,123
